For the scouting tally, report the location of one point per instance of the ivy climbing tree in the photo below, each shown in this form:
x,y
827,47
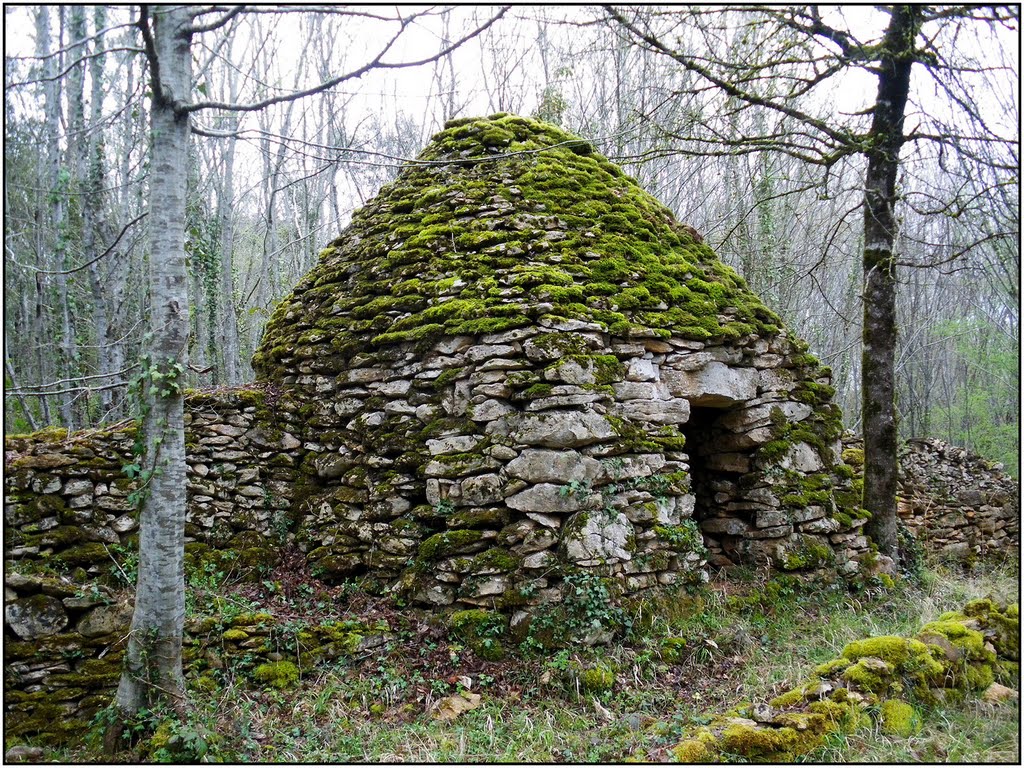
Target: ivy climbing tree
x,y
152,668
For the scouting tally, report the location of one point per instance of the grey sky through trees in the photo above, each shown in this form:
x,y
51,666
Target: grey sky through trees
x,y
341,146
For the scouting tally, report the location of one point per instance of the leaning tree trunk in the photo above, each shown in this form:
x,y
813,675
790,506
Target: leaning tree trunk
x,y
878,372
152,670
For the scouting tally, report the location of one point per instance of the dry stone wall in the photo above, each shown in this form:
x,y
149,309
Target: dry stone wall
x,y
957,504
68,520
69,498
70,532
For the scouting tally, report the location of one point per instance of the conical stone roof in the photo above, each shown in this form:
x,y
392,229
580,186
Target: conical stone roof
x,y
515,371
500,223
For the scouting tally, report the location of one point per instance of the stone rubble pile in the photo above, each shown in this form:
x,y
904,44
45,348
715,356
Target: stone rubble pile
x,y
956,503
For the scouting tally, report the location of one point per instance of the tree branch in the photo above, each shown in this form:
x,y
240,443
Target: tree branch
x,y
88,263
842,138
200,28
376,63
151,57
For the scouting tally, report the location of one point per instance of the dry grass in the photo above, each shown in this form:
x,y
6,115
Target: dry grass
x,y
748,641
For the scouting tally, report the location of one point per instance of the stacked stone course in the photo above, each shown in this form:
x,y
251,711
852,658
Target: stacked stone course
x,y
956,503
509,461
69,497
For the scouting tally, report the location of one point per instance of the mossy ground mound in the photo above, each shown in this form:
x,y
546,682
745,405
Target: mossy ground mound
x,y
889,680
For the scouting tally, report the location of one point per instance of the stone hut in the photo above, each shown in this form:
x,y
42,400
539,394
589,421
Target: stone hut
x,y
515,365
513,372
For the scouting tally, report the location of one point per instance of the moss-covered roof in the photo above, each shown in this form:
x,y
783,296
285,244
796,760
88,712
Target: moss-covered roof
x,y
501,222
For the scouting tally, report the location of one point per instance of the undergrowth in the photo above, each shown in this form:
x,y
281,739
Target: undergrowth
x,y
705,649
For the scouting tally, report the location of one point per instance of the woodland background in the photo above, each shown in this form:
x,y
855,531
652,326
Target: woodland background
x,y
269,188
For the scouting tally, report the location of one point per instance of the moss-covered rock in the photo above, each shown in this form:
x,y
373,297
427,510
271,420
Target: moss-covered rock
x,y
673,650
892,665
890,677
597,679
898,718
449,543
702,748
482,630
277,674
757,743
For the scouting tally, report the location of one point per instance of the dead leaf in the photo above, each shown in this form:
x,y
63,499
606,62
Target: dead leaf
x,y
451,707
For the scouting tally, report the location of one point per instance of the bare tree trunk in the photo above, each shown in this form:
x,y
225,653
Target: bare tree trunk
x,y
225,216
116,282
879,346
229,320
52,111
9,370
152,670
90,172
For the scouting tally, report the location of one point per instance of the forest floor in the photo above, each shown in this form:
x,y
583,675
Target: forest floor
x,y
747,639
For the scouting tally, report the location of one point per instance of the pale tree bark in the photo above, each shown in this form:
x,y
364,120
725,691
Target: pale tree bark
x,y
87,138
59,191
229,372
878,356
152,670
39,330
57,213
268,287
228,318
126,200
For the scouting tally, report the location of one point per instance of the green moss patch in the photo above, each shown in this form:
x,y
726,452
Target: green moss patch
x,y
277,674
897,718
892,678
470,244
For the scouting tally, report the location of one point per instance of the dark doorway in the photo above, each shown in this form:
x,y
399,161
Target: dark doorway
x,y
717,473
702,479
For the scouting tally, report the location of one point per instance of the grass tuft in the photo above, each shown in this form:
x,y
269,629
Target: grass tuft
x,y
736,641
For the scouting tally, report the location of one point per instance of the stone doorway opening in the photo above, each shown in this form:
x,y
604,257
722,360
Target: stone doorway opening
x,y
720,465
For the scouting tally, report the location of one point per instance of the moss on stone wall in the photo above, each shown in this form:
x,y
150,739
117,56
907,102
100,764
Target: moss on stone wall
x,y
471,240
